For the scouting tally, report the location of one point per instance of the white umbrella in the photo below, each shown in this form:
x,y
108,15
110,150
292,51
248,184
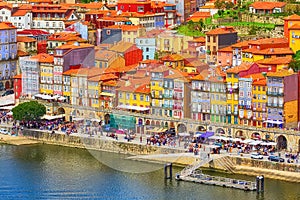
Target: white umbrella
x,y
268,143
247,141
236,140
255,142
184,134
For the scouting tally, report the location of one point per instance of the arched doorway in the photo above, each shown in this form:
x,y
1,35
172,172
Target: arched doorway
x,y
162,124
220,131
147,122
91,115
157,123
239,134
281,142
172,125
7,85
152,123
61,111
201,128
255,136
107,119
166,125
181,128
140,122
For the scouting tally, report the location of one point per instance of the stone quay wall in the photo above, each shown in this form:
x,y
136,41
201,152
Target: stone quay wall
x,y
96,143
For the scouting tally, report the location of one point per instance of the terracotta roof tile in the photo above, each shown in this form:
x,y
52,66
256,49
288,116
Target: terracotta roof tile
x,y
172,57
121,47
275,61
25,39
22,53
293,17
110,83
275,51
199,39
70,72
295,27
242,67
6,26
144,89
226,49
221,30
281,73
199,77
18,76
264,5
20,13
44,58
125,27
269,41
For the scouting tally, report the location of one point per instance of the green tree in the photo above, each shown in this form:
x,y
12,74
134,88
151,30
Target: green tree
x,y
295,65
156,57
31,110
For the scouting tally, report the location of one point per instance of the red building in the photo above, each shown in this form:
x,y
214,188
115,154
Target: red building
x,y
139,6
40,36
18,85
129,51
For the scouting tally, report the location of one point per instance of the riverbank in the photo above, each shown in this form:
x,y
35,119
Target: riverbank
x,y
178,156
16,140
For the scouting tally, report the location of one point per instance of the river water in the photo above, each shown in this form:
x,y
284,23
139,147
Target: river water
x,y
54,172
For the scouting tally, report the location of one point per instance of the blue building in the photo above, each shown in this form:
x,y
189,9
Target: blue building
x,y
8,54
159,20
148,45
110,35
245,101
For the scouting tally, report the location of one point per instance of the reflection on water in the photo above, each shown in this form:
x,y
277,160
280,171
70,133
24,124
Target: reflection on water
x,y
53,172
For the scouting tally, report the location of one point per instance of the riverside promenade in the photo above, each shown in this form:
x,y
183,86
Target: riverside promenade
x,y
178,155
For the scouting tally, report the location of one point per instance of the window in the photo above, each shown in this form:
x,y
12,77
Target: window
x,y
134,97
140,9
141,97
107,32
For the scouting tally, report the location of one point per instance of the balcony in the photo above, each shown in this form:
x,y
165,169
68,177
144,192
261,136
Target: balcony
x,y
275,94
167,96
273,104
228,112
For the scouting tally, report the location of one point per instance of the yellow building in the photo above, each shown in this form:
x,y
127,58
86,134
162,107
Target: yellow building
x,y
294,37
259,100
232,90
175,61
170,41
67,77
46,73
94,90
218,102
134,94
276,64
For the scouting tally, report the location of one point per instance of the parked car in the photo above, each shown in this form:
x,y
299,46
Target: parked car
x,y
256,156
7,92
4,131
275,159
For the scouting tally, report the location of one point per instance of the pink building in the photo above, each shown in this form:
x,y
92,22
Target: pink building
x,y
225,56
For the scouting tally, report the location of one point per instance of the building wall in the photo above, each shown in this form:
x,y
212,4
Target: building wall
x,y
148,46
110,36
225,58
133,56
290,82
294,40
291,114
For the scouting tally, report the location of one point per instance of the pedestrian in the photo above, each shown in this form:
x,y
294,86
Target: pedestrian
x,y
208,156
141,139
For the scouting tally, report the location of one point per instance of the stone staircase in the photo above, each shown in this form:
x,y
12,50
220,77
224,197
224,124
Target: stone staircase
x,y
226,163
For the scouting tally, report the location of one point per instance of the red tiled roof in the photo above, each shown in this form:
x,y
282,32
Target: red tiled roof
x,y
144,89
18,76
25,39
70,72
242,67
221,30
264,5
275,61
44,58
20,13
22,53
275,51
172,57
226,49
281,73
269,41
6,26
32,32
293,17
125,27
295,27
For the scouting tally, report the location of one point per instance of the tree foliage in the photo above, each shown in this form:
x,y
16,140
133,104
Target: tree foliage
x,y
27,111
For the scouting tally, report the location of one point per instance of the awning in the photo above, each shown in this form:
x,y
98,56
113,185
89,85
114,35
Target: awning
x,y
7,107
107,94
95,120
236,139
184,134
255,142
61,98
154,130
207,134
133,107
247,141
273,122
52,117
212,146
268,143
77,119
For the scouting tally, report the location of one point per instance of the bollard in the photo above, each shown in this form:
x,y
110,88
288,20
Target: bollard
x,y
262,183
257,184
168,175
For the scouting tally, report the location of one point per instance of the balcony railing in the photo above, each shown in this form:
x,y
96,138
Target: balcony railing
x,y
275,94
